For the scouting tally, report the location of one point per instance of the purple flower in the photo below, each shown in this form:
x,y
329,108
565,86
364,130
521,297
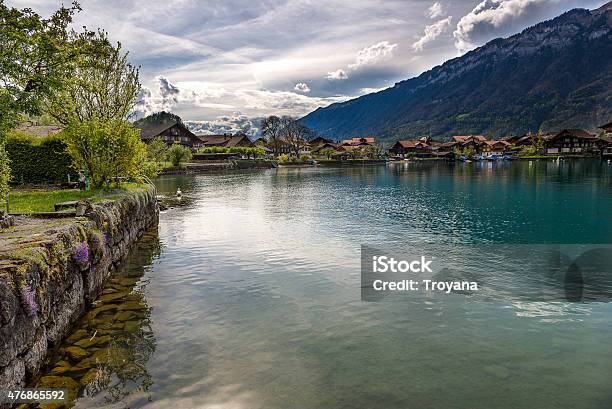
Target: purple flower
x,y
81,253
104,239
29,299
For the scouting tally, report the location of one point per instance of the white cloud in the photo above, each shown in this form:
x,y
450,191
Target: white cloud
x,y
302,87
339,74
364,91
490,15
436,10
373,53
227,124
432,32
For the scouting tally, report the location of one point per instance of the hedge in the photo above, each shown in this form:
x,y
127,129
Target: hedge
x,y
37,161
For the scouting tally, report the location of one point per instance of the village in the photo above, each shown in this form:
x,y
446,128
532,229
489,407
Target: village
x,y
565,143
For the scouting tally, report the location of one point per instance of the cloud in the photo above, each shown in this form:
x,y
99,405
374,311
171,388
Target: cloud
x,y
302,87
436,10
227,124
432,32
339,74
373,53
498,17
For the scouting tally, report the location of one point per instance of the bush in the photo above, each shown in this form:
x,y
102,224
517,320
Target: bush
x,y
283,158
107,148
37,161
178,154
304,158
239,150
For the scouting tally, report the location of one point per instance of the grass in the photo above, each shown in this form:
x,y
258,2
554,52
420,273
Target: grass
x,y
35,201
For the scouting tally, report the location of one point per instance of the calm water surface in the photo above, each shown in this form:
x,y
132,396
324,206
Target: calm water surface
x,y
248,296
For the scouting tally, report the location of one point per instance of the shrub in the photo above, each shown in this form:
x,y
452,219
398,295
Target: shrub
x,y
283,158
107,148
178,154
38,161
304,158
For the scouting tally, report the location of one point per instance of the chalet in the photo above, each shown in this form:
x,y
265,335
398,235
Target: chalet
x,y
319,149
318,141
606,141
358,141
417,148
572,141
495,148
170,132
224,141
607,128
470,142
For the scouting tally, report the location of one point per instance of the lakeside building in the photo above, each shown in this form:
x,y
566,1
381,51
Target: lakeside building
x,y
572,141
223,141
564,142
170,132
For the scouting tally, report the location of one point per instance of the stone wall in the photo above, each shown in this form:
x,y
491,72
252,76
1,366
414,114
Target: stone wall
x,y
47,283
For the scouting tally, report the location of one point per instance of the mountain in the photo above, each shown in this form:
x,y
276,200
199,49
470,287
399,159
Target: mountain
x,y
553,75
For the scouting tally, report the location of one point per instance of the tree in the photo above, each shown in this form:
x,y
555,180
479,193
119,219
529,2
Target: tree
x,y
271,128
178,154
103,84
107,149
294,134
35,59
157,150
328,152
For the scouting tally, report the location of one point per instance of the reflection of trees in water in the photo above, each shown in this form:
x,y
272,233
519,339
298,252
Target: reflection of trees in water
x,y
110,346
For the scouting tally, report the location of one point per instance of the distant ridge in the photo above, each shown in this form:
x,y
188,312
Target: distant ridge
x,y
555,74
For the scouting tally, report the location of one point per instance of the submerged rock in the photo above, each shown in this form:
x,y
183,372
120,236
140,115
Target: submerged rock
x,y
76,353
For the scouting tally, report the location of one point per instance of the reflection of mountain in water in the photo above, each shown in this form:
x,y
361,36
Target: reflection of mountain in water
x,y
110,346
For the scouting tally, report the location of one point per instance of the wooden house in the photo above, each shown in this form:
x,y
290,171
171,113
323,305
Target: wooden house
x,y
224,141
171,132
571,141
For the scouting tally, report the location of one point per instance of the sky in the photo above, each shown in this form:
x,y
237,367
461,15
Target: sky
x,y
224,64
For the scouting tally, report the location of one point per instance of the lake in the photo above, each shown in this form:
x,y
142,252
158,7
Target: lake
x,y
248,294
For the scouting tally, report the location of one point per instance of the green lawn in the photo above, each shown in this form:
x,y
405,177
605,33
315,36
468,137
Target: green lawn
x,y
34,201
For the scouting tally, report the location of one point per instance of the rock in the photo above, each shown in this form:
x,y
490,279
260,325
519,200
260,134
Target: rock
x,y
12,374
98,340
83,207
78,334
113,296
90,376
124,315
63,382
36,354
498,371
76,353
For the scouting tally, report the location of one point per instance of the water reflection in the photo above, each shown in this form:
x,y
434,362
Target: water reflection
x,y
105,357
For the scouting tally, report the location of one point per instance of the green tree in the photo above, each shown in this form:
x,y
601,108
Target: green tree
x,y
157,150
35,58
328,153
178,154
103,84
107,149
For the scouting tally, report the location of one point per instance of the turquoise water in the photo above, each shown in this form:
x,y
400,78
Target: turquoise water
x,y
252,293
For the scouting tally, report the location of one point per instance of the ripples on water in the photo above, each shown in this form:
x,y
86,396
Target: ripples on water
x,y
254,300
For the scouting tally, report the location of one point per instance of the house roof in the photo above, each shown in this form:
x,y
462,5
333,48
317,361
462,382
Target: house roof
x,y
151,131
358,141
467,138
408,144
226,141
579,133
38,131
607,127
